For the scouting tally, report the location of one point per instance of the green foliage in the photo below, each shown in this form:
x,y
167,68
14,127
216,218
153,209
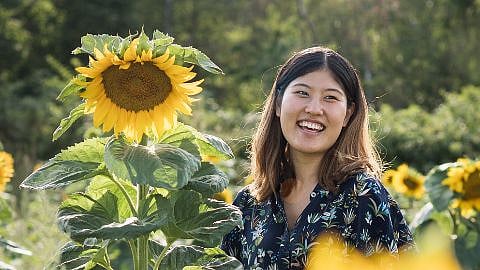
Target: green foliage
x,y
195,257
159,165
105,213
415,136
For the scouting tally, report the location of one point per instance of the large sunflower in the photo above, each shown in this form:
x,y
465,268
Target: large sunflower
x,y
137,93
6,169
408,182
465,181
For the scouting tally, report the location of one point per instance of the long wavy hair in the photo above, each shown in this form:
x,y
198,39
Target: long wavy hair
x,y
353,151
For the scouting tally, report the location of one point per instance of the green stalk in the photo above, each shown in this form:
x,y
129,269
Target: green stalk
x,y
161,256
133,248
142,241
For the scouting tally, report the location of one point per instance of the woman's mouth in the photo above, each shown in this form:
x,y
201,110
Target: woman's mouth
x,y
311,126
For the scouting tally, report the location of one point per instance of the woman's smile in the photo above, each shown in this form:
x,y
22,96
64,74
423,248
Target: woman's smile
x,y
313,112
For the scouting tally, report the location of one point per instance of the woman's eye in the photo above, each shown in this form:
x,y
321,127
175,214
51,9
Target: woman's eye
x,y
332,98
301,93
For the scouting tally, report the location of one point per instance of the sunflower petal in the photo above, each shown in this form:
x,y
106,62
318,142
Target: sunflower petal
x,y
101,110
131,52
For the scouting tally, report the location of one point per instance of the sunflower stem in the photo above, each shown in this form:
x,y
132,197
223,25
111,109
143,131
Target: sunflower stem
x,y
162,255
142,241
133,248
454,221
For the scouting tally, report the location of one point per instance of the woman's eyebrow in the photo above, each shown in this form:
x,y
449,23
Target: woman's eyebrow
x,y
328,89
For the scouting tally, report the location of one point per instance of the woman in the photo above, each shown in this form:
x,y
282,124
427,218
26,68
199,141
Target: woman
x,y
315,170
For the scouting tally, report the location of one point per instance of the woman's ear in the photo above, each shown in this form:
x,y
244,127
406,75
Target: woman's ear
x,y
350,110
278,105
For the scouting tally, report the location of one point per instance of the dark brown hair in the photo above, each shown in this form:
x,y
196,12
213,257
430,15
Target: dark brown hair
x,y
352,152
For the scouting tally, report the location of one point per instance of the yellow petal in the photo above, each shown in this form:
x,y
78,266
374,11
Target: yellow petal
x,y
111,118
147,56
121,122
98,54
131,52
87,72
162,58
101,110
94,89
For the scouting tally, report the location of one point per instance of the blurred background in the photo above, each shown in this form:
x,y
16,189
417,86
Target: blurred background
x,y
419,62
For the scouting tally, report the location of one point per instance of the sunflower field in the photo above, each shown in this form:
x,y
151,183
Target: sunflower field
x,y
125,125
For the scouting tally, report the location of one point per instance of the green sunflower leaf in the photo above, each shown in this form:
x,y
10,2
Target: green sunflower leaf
x,y
90,42
193,56
161,39
467,248
195,257
144,43
74,256
72,88
123,45
67,122
214,146
192,217
90,150
440,195
182,136
83,216
101,184
208,180
206,145
159,165
56,174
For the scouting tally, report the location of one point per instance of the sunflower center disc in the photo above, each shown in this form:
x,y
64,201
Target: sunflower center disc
x,y
411,183
472,186
138,88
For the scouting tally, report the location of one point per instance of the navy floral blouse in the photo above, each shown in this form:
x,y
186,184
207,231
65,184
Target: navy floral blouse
x,y
362,212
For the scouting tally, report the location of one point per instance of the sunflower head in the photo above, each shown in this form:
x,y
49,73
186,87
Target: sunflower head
x,y
136,85
6,169
464,180
408,182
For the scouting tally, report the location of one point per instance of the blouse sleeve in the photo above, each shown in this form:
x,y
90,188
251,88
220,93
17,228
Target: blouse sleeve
x,y
379,225
232,242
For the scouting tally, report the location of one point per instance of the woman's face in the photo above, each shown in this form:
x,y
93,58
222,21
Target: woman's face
x,y
313,112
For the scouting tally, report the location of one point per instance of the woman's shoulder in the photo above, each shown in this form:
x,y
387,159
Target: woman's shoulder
x,y
244,197
362,180
363,185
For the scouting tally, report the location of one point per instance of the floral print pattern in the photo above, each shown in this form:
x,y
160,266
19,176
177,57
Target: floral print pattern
x,y
362,212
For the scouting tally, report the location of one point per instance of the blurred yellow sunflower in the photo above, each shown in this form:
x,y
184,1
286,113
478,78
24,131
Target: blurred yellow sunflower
x,y
465,181
408,182
226,196
137,93
329,252
6,169
387,177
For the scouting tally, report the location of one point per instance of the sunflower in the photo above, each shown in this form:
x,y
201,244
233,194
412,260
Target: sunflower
x,y
408,182
6,169
387,177
226,196
136,93
464,180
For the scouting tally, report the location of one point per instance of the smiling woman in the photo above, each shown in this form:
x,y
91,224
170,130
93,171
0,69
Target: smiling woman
x,y
314,171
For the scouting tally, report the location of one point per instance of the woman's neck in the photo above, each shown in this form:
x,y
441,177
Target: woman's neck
x,y
306,170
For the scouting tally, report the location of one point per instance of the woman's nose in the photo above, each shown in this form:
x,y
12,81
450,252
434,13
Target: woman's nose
x,y
314,107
